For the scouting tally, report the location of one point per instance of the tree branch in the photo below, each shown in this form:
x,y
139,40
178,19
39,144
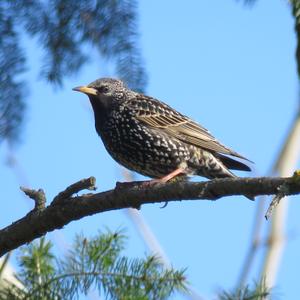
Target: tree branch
x,y
68,208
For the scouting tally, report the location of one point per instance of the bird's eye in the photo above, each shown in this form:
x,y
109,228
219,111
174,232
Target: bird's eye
x,y
103,89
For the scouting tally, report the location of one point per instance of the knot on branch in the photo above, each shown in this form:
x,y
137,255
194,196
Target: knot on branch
x,y
38,196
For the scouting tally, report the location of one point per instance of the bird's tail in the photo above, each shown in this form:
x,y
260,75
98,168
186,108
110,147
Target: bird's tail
x,y
220,165
232,164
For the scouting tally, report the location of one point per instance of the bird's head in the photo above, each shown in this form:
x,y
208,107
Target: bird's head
x,y
103,92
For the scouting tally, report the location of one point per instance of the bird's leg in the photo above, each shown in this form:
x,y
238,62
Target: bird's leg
x,y
149,183
170,176
165,178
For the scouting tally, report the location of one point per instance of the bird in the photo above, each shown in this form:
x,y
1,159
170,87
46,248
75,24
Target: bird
x,y
150,137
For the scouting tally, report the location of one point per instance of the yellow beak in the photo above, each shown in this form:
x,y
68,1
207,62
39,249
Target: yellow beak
x,y
85,90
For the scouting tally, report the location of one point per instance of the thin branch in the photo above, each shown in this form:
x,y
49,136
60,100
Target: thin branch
x,y
57,215
275,201
38,197
83,184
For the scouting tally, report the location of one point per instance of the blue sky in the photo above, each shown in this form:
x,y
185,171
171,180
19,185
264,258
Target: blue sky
x,y
229,66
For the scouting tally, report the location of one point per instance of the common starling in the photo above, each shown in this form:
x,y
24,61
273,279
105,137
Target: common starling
x,y
150,137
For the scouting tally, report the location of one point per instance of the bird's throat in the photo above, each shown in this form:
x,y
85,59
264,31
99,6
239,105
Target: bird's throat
x,y
100,111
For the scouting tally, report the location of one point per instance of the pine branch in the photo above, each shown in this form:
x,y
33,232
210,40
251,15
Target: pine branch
x,y
59,213
64,29
257,292
92,264
295,10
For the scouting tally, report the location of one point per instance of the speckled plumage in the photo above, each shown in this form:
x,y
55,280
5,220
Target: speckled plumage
x,y
149,137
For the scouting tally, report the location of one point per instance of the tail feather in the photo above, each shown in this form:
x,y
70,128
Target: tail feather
x,y
215,165
232,163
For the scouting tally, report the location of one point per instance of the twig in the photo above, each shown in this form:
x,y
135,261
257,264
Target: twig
x,y
38,196
83,184
282,192
59,214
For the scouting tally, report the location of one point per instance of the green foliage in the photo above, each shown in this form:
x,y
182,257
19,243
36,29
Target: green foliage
x,y
296,13
258,292
12,64
65,30
95,263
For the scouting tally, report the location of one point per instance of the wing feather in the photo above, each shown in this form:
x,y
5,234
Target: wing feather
x,y
159,115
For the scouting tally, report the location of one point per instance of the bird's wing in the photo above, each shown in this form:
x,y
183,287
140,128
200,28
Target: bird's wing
x,y
159,115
